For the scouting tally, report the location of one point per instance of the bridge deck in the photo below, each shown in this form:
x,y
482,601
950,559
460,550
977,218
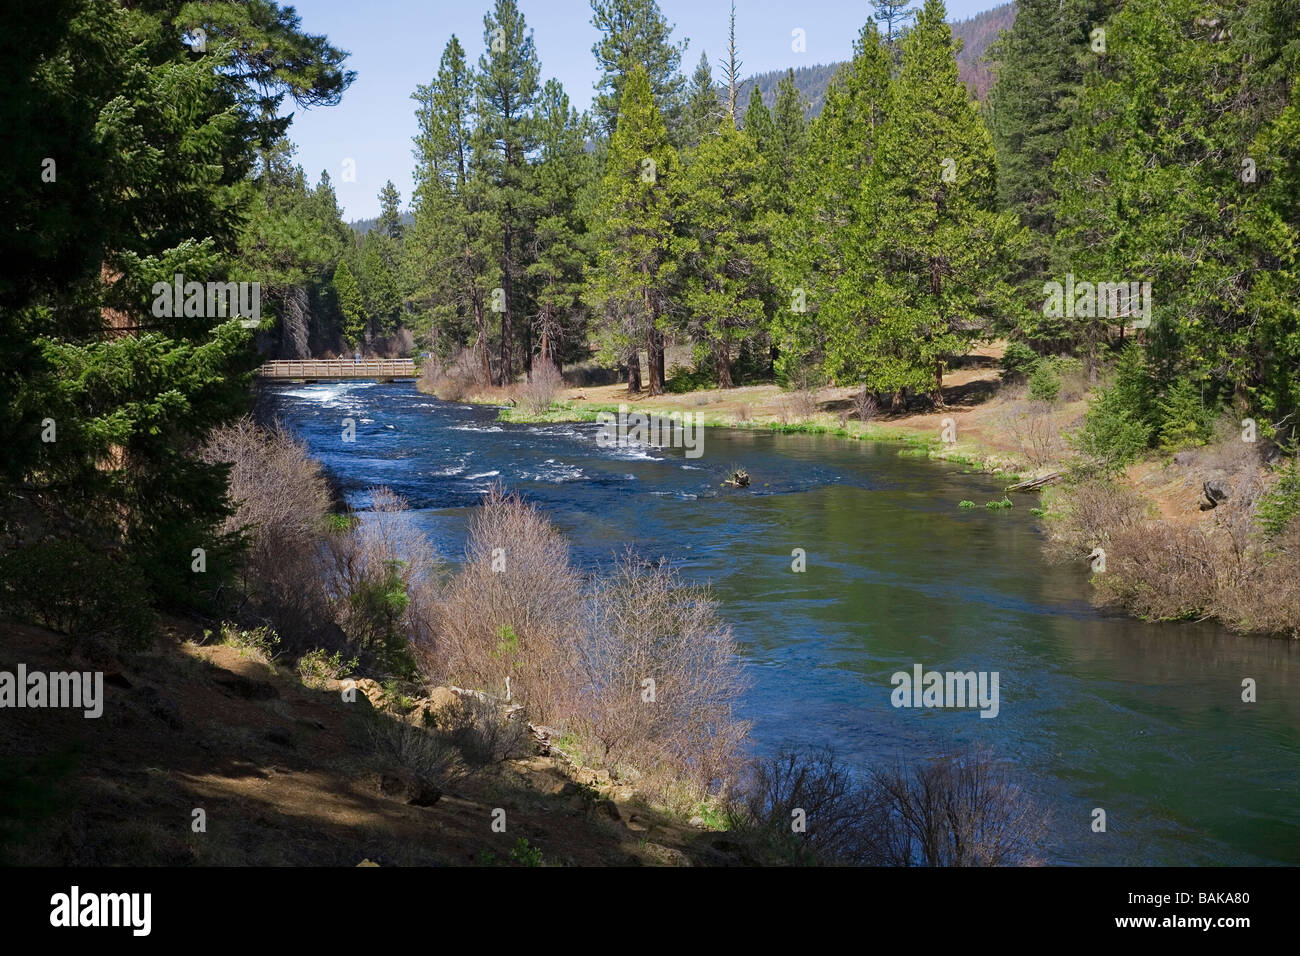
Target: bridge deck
x,y
338,368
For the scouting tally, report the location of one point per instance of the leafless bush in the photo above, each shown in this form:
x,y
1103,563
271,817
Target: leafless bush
x,y
482,733
864,406
431,758
380,577
1265,598
1036,432
281,499
744,412
457,378
839,821
537,395
955,811
512,610
662,676
798,406
1088,514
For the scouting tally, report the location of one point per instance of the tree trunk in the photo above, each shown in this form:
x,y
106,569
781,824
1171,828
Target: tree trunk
x,y
937,395
507,371
722,365
634,373
655,361
897,401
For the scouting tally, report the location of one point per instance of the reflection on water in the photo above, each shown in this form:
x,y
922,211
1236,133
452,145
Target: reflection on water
x,y
1096,710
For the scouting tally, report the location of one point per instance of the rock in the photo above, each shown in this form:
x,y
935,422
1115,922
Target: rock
x,y
1213,492
404,786
429,710
607,808
697,822
367,863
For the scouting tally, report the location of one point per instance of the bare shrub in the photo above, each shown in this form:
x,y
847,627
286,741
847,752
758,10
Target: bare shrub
x,y
456,379
372,574
537,395
864,406
281,499
798,406
836,809
512,610
1036,432
1088,514
432,759
662,676
1265,598
1165,572
744,412
955,811
482,732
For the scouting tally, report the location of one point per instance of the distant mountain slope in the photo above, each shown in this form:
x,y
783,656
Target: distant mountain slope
x,y
363,226
976,34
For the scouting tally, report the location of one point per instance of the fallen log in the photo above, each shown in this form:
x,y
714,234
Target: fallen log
x,y
1033,483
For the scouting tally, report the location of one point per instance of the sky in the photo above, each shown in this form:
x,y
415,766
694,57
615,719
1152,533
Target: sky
x,y
395,45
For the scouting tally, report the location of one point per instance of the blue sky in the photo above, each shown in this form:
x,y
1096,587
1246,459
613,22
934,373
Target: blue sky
x,y
395,45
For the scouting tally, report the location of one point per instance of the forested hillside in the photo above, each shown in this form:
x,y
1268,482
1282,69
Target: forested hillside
x,y
976,34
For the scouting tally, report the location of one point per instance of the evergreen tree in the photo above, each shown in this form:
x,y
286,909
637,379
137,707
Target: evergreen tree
x,y
813,244
564,178
451,251
151,143
635,33
390,211
931,273
639,254
703,108
724,215
895,15
351,305
505,137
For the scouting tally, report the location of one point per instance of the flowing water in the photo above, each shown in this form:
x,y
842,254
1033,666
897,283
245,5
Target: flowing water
x,y
1096,710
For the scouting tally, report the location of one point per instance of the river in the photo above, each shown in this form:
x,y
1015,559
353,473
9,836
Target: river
x,y
1096,710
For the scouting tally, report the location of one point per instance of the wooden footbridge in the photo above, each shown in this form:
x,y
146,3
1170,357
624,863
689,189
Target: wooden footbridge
x,y
313,370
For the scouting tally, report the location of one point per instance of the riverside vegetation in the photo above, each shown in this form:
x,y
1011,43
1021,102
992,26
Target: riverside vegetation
x,y
872,252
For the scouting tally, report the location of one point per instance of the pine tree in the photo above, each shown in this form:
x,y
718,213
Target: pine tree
x,y
635,33
351,305
639,253
1042,60
152,146
813,245
505,137
895,15
451,251
564,178
390,212
703,108
931,273
723,213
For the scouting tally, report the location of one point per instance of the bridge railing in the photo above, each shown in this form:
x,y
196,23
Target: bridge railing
x,y
338,368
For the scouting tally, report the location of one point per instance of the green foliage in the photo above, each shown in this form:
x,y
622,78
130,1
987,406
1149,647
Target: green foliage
x,y
524,854
1018,360
66,587
376,604
1184,419
965,504
1278,508
316,667
1044,382
1005,503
